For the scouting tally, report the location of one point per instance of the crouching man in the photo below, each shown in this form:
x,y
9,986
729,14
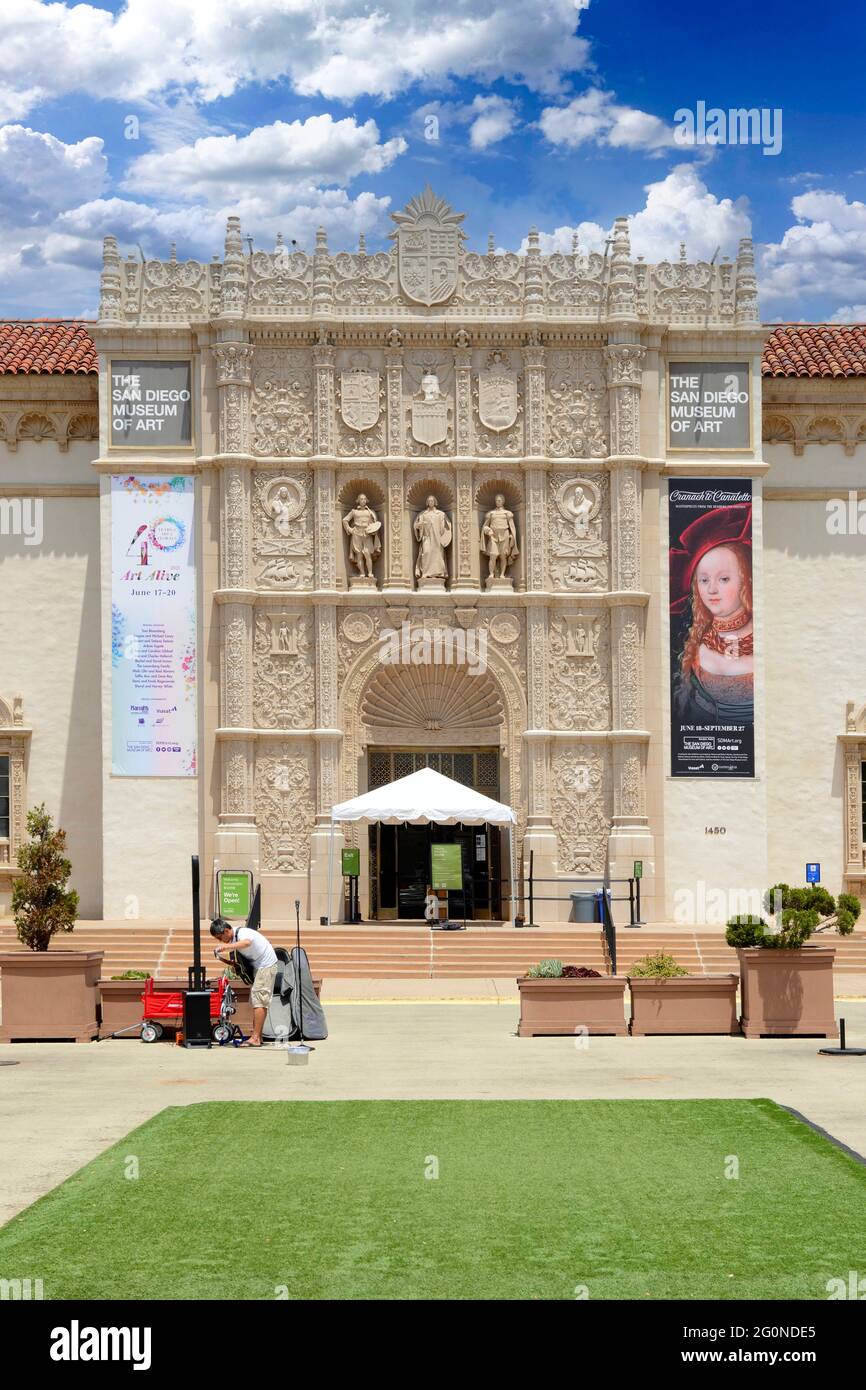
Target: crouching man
x,y
261,956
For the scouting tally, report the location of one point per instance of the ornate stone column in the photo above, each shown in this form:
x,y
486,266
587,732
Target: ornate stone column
x,y
630,836
324,357
328,740
237,840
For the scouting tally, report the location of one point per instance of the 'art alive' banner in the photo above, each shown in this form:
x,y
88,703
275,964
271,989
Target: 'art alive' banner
x,y
153,626
712,653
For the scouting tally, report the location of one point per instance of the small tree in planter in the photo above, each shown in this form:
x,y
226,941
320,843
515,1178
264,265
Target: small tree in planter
x,y
557,998
47,994
665,998
41,902
787,985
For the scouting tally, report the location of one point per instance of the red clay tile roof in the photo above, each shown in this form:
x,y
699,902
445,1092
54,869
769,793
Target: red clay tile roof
x,y
46,345
793,349
815,349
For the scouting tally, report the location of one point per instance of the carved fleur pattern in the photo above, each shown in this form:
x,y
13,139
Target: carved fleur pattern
x,y
362,279
173,290
282,405
574,280
284,680
576,405
279,280
492,280
284,808
579,685
581,815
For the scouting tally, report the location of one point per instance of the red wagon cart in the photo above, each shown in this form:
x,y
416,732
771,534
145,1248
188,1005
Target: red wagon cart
x,y
166,1006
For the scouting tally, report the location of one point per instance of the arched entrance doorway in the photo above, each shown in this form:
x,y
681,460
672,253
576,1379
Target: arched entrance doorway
x,y
450,717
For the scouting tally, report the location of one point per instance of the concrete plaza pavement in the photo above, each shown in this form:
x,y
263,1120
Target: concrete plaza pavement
x,y
63,1104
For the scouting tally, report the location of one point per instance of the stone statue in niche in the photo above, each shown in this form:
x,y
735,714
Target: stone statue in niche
x,y
433,534
499,543
363,528
579,508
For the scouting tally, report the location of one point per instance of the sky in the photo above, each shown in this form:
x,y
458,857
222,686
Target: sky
x,y
156,119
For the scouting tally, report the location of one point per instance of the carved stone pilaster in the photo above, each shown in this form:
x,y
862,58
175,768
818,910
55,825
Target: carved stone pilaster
x,y
624,361
235,526
329,776
625,528
627,656
394,389
326,545
463,399
396,574
534,370
324,357
238,765
629,785
536,664
326,666
233,374
236,666
535,528
463,577
538,780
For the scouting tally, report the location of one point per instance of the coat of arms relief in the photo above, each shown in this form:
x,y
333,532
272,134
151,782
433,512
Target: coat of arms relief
x,y
430,424
498,407
360,407
429,237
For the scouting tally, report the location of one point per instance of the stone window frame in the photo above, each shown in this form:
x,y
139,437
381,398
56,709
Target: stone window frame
x,y
14,744
853,743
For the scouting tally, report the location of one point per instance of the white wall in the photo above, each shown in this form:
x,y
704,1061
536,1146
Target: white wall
x,y
50,652
816,659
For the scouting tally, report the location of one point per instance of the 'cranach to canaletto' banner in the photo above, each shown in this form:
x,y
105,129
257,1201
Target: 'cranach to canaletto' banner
x,y
153,626
712,628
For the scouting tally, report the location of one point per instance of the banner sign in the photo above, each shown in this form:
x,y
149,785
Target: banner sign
x,y
153,627
151,403
234,894
350,862
709,406
711,628
446,866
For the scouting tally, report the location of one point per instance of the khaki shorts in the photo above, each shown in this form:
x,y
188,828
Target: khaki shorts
x,y
262,988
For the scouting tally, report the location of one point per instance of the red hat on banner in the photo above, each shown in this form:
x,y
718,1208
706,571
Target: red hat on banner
x,y
721,526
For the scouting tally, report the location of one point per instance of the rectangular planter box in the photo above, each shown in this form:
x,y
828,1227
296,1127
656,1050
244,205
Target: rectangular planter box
x,y
563,1006
684,1004
49,995
788,994
121,1003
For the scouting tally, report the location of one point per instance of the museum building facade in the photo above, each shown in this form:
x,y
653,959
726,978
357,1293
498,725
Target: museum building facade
x,y
575,530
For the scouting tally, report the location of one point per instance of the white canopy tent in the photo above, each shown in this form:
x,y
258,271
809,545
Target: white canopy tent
x,y
425,797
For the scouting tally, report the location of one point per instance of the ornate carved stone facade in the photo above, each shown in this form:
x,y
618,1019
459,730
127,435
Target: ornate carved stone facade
x,y
430,369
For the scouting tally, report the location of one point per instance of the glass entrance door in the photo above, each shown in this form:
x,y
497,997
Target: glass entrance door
x,y
400,870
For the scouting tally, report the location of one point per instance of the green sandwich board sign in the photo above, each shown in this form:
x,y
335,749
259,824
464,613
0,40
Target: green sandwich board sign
x,y
350,862
446,866
234,892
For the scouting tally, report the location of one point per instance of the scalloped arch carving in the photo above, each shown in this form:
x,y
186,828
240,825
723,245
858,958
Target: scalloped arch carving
x,y
349,491
422,488
485,492
434,698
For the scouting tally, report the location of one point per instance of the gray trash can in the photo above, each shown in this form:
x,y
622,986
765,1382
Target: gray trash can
x,y
584,907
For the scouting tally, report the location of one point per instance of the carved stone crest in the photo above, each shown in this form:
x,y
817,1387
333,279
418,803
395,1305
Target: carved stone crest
x,y
430,411
359,396
497,393
428,236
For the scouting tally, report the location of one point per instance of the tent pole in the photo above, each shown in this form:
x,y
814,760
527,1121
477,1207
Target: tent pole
x,y
511,857
330,870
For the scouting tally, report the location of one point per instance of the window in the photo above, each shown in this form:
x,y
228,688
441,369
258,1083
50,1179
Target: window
x,y
4,797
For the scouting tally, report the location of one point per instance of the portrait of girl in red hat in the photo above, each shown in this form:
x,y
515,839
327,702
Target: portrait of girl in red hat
x,y
712,628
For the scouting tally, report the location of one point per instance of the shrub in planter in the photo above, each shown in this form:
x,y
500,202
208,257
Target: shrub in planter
x,y
46,994
787,985
557,998
665,998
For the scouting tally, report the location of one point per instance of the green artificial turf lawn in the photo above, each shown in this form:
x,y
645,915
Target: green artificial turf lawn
x,y
533,1199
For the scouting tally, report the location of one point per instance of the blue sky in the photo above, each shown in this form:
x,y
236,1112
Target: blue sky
x,y
553,113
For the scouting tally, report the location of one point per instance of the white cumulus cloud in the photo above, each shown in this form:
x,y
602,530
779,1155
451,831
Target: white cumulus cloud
x,y
821,256
338,49
491,119
596,117
304,154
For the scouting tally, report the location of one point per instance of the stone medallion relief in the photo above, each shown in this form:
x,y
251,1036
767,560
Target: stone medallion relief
x,y
579,529
282,530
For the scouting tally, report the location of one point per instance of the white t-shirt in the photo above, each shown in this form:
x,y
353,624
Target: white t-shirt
x,y
259,951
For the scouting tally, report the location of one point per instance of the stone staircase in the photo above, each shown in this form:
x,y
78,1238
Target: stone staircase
x,y
411,951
